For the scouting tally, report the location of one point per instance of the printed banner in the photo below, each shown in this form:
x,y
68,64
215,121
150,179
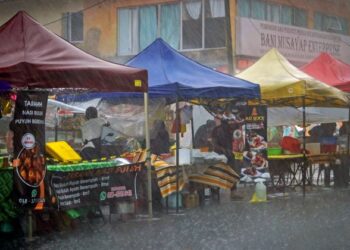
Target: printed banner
x,y
239,112
29,148
71,189
255,37
255,154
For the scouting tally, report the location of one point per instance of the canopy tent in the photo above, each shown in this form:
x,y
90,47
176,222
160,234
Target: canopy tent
x,y
330,70
34,57
172,75
282,84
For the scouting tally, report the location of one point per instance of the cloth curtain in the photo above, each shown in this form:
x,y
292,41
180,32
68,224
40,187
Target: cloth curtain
x,y
217,8
148,26
287,15
170,24
124,32
300,18
258,10
194,9
273,13
127,31
318,21
243,8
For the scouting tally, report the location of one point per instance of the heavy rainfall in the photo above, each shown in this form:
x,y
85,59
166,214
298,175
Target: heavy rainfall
x,y
191,124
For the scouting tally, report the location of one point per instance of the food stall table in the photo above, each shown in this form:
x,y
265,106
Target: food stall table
x,y
284,166
325,162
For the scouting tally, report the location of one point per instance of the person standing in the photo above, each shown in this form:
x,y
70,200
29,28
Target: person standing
x,y
222,137
91,134
159,138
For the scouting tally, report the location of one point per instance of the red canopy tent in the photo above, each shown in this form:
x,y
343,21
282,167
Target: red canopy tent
x,y
329,70
34,57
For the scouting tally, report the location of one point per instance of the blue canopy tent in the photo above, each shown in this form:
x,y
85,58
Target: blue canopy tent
x,y
173,75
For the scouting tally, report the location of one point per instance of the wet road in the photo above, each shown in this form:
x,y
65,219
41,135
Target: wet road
x,y
320,221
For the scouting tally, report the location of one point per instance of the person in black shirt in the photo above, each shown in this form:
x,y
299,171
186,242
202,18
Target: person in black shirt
x,y
202,138
159,136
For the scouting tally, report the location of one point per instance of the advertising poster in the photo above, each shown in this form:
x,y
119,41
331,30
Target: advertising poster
x,y
72,188
29,148
255,154
238,144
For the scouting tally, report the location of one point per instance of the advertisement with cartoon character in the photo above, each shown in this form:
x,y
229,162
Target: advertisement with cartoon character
x,y
29,148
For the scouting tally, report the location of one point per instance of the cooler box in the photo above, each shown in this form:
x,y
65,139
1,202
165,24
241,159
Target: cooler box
x,y
314,148
328,144
62,151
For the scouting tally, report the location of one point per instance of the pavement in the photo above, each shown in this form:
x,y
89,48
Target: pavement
x,y
320,220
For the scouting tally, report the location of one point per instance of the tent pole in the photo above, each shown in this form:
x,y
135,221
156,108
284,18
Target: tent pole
x,y
229,45
304,147
192,132
148,158
348,134
177,125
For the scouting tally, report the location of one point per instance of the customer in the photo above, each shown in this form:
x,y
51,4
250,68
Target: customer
x,y
222,137
91,134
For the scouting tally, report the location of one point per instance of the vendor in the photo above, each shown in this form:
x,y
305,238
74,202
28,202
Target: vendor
x,y
159,138
91,134
202,138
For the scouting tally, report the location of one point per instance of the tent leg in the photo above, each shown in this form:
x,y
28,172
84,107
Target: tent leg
x,y
304,148
177,152
148,159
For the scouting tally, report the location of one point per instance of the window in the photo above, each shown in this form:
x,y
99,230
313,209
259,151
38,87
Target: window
x,y
215,24
139,27
258,9
273,13
330,23
191,24
277,13
73,26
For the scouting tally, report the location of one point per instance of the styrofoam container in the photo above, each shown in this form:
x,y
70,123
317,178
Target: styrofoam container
x,y
185,156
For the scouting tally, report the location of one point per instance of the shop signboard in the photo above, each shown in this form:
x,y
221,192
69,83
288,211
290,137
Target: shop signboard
x,y
29,148
71,187
255,154
255,37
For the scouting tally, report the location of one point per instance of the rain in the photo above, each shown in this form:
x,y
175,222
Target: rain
x,y
187,124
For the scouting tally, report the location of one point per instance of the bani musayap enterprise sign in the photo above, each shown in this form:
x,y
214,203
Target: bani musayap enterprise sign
x,y
255,38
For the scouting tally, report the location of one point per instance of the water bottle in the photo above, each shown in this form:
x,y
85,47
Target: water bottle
x,y
260,191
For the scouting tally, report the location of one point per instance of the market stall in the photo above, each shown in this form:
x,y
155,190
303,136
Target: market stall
x,y
35,59
177,78
283,85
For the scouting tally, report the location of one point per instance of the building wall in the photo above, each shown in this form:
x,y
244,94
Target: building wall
x,y
337,8
100,25
44,11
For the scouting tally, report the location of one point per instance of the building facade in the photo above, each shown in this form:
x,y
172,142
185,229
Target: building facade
x,y
299,29
116,30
